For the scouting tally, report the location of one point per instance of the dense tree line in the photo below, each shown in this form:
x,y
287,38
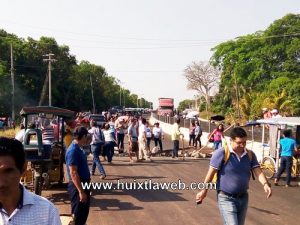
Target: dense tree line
x,y
260,70
71,81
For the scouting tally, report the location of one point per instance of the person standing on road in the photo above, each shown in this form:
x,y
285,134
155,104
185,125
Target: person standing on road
x,y
175,138
110,142
158,136
233,178
288,147
120,129
198,134
192,134
143,153
133,133
79,173
148,135
96,148
18,205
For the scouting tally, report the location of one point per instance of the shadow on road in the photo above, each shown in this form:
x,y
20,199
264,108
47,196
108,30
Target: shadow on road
x,y
113,205
59,198
264,211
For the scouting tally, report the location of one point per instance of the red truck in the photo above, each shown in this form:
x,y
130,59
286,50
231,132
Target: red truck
x,y
165,106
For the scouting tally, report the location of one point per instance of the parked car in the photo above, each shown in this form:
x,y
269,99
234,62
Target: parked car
x,y
100,119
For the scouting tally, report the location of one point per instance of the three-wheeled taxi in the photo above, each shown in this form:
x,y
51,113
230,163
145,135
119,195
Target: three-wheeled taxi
x,y
271,146
44,145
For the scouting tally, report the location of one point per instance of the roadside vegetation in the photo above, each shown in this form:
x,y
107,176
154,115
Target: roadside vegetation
x,y
256,71
72,81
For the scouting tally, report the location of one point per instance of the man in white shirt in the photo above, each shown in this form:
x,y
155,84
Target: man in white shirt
x,y
142,141
133,139
19,206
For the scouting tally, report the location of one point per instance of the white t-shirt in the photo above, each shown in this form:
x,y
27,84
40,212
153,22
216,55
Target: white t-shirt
x,y
142,130
157,132
108,135
148,132
96,135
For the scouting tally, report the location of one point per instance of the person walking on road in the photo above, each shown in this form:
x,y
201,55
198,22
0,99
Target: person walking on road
x,y
96,148
120,129
79,173
18,205
175,138
143,153
217,136
233,178
288,147
110,142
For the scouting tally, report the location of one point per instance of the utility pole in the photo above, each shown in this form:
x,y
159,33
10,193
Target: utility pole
x,y
49,60
120,95
12,83
94,109
196,105
124,98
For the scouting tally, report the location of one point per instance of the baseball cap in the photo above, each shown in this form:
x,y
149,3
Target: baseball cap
x,y
264,109
274,111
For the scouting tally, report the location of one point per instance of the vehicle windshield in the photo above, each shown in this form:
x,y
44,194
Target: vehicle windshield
x,y
97,118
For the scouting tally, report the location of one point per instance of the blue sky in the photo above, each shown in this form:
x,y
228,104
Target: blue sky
x,y
145,44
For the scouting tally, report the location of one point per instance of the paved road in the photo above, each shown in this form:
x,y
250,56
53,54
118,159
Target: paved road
x,y
149,207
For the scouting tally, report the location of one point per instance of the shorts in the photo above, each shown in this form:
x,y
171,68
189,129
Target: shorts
x,y
134,147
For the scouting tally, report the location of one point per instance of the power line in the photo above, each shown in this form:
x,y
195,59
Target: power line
x,y
175,44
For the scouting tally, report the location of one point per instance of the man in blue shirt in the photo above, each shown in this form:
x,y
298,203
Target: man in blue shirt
x,y
78,172
288,147
233,178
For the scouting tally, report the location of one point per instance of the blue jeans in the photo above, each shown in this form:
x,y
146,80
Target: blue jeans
x,y
286,163
175,148
217,145
79,209
158,140
233,210
96,150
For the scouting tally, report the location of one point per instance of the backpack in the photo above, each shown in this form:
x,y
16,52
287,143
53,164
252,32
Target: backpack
x,y
226,158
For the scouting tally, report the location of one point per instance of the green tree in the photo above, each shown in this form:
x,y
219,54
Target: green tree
x,y
265,63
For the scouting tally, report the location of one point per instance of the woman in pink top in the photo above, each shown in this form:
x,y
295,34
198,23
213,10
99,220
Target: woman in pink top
x,y
217,134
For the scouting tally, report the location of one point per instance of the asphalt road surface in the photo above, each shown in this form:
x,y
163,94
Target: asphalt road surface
x,y
146,207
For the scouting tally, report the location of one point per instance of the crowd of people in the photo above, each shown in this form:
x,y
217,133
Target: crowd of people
x,y
103,141
233,173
